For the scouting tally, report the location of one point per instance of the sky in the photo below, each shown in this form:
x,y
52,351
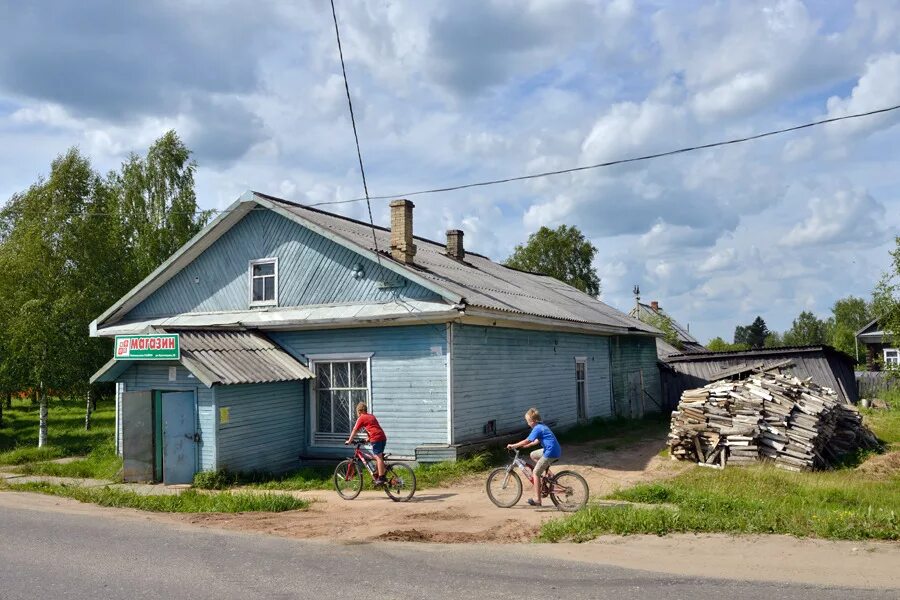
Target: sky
x,y
453,92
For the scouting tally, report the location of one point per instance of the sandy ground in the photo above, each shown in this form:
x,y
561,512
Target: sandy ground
x,y
459,514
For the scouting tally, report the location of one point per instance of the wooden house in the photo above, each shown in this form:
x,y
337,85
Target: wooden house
x,y
881,349
287,316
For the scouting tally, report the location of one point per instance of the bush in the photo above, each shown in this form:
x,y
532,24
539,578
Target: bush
x,y
214,480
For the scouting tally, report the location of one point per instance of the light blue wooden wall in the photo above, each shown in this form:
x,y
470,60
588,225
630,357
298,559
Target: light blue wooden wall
x,y
266,428
635,354
311,270
500,373
408,378
155,376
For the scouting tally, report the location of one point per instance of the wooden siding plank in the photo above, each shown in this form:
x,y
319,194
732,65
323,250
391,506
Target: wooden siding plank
x,y
311,270
499,373
408,379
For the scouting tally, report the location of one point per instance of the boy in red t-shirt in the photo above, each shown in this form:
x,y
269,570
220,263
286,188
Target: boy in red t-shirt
x,y
376,437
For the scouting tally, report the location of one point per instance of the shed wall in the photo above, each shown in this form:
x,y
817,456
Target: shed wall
x,y
408,379
266,426
311,270
144,376
635,375
500,373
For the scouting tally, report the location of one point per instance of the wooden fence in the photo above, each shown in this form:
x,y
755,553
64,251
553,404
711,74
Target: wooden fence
x,y
871,383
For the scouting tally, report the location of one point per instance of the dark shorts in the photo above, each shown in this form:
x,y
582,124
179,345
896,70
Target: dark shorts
x,y
378,447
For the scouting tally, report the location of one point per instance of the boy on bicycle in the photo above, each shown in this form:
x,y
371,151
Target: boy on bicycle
x,y
544,457
376,434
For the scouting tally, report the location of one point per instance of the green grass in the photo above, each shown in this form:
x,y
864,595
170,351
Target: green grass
x,y
101,463
189,501
763,499
611,434
847,503
66,434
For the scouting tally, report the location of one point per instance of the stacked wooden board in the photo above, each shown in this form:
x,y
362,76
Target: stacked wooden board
x,y
795,423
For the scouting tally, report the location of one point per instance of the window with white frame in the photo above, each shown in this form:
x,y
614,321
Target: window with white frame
x,y
339,386
892,357
264,282
581,387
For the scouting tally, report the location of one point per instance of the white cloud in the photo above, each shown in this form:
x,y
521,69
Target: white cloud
x,y
879,87
846,216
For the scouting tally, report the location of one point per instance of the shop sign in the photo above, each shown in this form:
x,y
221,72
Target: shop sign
x,y
164,346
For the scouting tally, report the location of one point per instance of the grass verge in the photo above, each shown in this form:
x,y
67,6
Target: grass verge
x,y
66,433
189,501
854,502
101,463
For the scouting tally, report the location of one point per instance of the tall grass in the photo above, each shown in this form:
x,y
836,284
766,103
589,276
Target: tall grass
x,y
188,501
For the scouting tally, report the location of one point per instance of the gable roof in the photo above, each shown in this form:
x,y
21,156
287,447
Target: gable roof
x,y
474,282
478,280
689,343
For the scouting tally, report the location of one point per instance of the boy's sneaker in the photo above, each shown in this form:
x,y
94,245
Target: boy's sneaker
x,y
379,481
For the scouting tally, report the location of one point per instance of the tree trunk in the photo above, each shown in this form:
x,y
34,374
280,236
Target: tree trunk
x,y
1,415
8,400
88,410
93,397
42,426
34,397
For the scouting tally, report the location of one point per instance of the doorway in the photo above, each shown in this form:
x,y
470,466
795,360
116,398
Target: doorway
x,y
177,431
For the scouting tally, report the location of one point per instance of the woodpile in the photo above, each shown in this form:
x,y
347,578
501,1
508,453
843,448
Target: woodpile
x,y
795,423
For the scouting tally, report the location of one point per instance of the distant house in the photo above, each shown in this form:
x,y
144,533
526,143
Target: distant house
x,y
688,344
823,364
287,316
880,348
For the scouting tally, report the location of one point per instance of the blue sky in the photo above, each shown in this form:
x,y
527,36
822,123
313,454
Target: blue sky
x,y
449,92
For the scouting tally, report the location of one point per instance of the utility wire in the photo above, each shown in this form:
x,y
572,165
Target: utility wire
x,y
368,198
615,162
362,170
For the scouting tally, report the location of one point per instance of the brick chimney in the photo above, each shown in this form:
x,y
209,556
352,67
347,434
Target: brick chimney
x,y
402,247
654,305
455,247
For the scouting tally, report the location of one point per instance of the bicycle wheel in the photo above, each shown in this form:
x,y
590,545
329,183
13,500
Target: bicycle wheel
x,y
348,479
568,491
399,482
503,487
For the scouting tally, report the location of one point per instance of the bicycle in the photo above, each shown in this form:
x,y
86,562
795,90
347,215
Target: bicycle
x,y
399,478
567,489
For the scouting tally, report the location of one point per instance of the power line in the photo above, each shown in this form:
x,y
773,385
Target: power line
x,y
559,172
615,162
362,170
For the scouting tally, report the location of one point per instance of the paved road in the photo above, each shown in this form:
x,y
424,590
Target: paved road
x,y
50,554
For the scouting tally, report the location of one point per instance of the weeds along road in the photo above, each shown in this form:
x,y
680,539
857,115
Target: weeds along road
x,y
73,553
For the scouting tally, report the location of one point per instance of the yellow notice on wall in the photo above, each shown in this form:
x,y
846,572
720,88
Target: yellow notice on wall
x,y
224,415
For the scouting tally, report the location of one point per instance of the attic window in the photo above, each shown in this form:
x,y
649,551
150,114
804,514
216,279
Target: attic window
x,y
264,282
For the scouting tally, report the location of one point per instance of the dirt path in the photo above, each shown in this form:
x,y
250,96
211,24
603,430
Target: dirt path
x,y
459,514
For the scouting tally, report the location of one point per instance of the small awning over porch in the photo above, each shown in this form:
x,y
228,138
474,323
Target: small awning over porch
x,y
226,358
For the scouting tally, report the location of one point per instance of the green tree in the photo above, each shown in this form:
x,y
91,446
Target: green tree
x,y
886,298
849,315
717,344
753,335
807,330
563,253
774,340
664,324
158,204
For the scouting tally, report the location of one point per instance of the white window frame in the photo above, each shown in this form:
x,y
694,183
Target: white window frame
x,y
581,360
262,261
894,359
334,439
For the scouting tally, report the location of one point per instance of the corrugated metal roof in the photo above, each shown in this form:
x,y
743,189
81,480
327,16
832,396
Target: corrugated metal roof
x,y
480,281
234,357
685,356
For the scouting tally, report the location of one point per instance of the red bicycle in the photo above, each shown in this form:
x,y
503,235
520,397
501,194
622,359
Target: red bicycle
x,y
399,478
567,489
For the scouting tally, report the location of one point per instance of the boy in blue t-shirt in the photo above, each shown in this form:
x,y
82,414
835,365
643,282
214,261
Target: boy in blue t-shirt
x,y
549,454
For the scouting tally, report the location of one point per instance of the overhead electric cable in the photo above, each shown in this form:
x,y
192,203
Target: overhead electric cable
x,y
611,163
362,170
